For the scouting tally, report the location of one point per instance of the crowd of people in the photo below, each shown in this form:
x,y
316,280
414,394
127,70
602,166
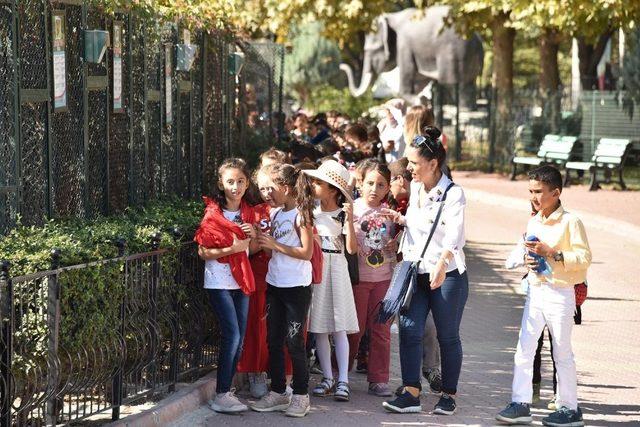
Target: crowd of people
x,y
300,253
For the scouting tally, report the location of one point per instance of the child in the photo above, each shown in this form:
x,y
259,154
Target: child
x,y
223,237
550,300
400,184
376,256
333,309
288,293
255,357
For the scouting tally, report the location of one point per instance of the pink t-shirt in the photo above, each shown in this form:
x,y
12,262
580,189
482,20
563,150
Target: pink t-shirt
x,y
373,231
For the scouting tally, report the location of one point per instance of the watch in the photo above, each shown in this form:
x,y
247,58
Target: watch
x,y
558,257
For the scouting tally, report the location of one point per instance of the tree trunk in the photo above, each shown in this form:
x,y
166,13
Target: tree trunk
x,y
502,82
549,44
589,55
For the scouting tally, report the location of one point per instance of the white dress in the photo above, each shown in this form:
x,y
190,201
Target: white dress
x,y
333,308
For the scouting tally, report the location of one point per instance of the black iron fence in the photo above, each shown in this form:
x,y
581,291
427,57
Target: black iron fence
x,y
131,127
483,137
83,339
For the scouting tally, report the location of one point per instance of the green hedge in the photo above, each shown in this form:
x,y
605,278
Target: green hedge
x,y
28,249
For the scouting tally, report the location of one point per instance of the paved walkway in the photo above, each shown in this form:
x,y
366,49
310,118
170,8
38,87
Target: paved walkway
x,y
606,344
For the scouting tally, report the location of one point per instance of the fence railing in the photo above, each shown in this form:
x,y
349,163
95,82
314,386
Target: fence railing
x,y
83,339
93,152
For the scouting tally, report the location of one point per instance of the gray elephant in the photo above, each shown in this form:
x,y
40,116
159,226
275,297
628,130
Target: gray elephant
x,y
424,49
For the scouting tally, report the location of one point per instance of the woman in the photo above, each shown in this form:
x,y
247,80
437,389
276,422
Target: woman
x,y
442,285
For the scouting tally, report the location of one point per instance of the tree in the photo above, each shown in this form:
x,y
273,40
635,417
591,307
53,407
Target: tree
x,y
631,73
313,61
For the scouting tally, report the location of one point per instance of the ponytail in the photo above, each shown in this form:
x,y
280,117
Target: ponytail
x,y
300,185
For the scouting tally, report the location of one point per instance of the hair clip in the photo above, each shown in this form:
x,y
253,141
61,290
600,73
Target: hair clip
x,y
420,141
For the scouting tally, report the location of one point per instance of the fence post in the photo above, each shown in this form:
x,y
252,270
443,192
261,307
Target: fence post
x,y
53,326
153,298
458,137
116,393
6,351
493,99
175,306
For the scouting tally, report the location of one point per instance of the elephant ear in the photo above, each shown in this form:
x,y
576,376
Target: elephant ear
x,y
388,37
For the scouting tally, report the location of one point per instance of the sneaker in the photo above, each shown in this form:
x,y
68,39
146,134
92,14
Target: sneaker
x,y
342,393
515,413
315,368
258,385
299,406
399,391
434,378
403,404
379,389
445,406
536,394
552,404
362,366
564,417
272,402
227,403
326,387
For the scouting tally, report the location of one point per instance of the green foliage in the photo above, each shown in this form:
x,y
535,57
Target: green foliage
x,y
313,61
326,97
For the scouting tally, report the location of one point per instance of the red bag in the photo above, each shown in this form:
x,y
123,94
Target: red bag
x,y
581,293
317,260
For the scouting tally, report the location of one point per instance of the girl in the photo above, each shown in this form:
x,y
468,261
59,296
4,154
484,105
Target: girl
x,y
288,293
333,309
224,238
375,234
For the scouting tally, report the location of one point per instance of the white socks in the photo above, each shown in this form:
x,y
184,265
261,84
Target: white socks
x,y
323,352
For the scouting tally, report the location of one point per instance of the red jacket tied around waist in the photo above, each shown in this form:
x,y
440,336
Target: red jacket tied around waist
x,y
216,231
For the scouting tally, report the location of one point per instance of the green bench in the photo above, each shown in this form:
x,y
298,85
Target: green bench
x,y
609,157
554,149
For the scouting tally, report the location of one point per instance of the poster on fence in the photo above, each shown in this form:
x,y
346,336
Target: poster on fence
x,y
59,61
168,89
117,67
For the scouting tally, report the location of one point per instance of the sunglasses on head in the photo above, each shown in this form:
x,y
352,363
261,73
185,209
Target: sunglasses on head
x,y
423,141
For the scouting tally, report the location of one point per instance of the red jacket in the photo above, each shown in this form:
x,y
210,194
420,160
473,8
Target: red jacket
x,y
216,231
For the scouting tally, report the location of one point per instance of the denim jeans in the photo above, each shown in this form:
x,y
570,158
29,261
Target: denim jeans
x,y
447,304
231,308
287,310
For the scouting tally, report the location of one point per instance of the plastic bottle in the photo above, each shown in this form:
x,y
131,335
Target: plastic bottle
x,y
543,265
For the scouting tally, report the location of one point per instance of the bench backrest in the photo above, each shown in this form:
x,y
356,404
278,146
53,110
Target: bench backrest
x,y
611,151
555,147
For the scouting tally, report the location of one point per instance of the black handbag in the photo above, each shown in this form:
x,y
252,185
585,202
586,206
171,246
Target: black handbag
x,y
352,259
405,277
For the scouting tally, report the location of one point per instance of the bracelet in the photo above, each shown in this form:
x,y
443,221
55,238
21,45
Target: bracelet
x,y
445,261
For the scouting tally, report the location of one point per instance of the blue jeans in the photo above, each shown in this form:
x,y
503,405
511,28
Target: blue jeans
x,y
447,304
231,308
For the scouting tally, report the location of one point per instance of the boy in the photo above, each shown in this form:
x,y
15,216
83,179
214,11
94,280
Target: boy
x,y
400,183
550,300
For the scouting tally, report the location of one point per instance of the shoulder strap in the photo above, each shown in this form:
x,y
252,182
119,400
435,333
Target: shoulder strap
x,y
435,222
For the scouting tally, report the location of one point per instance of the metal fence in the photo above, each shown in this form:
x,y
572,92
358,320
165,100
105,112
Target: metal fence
x,y
84,339
90,158
479,136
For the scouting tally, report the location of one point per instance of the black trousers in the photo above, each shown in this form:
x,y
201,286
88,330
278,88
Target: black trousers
x,y
287,310
537,362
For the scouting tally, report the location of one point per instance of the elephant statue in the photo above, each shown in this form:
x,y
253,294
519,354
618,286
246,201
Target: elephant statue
x,y
424,49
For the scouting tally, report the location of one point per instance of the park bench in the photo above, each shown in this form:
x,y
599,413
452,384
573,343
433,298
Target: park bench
x,y
609,157
554,149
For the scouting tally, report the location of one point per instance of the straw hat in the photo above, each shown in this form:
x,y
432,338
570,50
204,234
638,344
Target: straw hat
x,y
335,174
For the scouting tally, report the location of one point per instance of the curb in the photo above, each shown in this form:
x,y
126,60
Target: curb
x,y
173,406
591,221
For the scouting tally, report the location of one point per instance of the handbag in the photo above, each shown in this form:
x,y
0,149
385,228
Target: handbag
x,y
352,259
405,277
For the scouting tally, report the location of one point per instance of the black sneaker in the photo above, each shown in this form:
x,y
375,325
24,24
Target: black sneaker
x,y
515,413
564,417
434,379
403,404
445,406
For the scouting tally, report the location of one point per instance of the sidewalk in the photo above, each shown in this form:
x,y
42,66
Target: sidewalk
x,y
605,344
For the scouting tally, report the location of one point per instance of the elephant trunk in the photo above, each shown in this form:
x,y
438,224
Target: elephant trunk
x,y
367,77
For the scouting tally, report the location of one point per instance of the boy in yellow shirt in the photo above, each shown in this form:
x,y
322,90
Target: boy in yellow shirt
x,y
562,242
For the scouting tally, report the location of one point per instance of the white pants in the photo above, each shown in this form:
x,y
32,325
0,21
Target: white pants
x,y
553,307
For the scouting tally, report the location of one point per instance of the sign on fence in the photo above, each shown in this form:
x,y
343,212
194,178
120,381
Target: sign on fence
x,y
59,60
117,67
168,50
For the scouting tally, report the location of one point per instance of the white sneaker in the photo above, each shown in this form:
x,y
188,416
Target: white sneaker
x,y
258,384
272,402
227,403
299,406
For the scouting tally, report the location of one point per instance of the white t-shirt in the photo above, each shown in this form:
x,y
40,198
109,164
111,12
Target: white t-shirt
x,y
285,271
217,275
